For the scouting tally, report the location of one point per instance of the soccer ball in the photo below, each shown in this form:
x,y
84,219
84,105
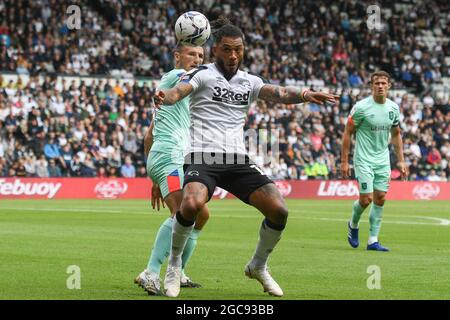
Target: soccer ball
x,y
192,27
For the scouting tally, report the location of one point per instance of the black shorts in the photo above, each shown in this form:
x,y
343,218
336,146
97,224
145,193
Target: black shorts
x,y
240,178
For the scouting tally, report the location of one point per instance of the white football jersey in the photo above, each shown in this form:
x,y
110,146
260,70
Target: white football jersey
x,y
218,108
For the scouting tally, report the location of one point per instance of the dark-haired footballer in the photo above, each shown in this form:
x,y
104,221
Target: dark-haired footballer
x,y
220,96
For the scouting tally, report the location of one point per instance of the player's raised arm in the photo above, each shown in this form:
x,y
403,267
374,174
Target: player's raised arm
x,y
290,94
173,95
397,141
345,149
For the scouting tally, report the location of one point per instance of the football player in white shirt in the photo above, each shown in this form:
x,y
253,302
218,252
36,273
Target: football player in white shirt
x,y
220,95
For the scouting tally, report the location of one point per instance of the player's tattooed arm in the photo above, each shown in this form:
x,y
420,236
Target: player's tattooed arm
x,y
173,95
280,94
294,95
397,141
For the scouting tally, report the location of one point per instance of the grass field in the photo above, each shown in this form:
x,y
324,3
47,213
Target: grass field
x,y
110,241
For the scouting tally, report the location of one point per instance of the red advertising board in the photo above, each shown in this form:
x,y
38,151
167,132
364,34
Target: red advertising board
x,y
74,188
139,188
345,189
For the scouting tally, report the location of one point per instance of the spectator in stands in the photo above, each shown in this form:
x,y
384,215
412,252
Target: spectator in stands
x,y
130,143
101,173
128,170
112,172
75,166
66,155
433,176
51,149
53,170
42,167
141,172
30,166
434,158
88,168
19,168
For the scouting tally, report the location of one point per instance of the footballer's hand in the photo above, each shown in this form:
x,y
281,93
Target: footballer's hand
x,y
320,97
158,99
403,170
157,198
345,170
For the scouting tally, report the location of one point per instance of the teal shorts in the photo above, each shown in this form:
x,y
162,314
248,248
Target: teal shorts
x,y
166,170
372,177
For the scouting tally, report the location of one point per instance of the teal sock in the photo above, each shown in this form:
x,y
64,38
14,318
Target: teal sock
x,y
161,248
190,247
375,220
356,214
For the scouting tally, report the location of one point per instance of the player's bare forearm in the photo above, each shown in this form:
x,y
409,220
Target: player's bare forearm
x,y
148,139
345,148
294,95
346,141
397,141
177,93
278,94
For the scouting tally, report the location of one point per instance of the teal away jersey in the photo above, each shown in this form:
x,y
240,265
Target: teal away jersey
x,y
373,123
171,129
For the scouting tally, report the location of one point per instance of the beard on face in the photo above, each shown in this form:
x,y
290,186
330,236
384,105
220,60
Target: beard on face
x,y
227,72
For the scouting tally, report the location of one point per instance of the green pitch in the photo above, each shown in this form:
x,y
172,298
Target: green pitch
x,y
110,242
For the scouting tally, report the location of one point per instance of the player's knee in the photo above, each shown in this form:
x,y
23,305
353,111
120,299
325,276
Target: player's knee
x,y
191,205
281,213
379,201
365,201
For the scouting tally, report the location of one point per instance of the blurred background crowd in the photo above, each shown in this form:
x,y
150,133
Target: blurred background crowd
x,y
55,126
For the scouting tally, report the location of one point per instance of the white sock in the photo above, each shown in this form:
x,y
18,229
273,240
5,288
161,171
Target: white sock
x,y
268,238
372,240
180,235
354,226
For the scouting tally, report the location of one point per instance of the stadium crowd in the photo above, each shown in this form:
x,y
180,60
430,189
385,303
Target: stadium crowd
x,y
324,41
64,129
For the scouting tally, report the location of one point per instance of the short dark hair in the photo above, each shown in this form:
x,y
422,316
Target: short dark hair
x,y
224,28
380,73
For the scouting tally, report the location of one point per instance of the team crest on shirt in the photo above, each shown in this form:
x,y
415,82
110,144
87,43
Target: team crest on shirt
x,y
245,83
391,115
